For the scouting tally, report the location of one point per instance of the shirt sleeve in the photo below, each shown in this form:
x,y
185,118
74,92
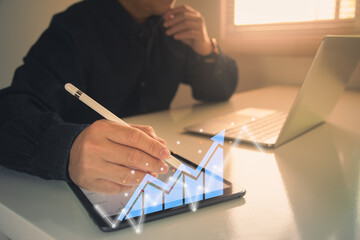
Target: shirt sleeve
x,y
214,81
33,136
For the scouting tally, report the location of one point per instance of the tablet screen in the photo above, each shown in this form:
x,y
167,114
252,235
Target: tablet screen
x,y
111,205
186,188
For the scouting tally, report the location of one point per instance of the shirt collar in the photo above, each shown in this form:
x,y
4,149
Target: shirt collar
x,y
121,17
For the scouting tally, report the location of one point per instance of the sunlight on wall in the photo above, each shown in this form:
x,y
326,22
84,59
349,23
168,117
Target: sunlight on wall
x,y
347,9
278,11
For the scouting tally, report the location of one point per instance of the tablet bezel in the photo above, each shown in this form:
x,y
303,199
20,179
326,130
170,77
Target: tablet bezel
x,y
105,227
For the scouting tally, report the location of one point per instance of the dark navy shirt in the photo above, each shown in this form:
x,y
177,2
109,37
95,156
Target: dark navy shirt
x,y
128,68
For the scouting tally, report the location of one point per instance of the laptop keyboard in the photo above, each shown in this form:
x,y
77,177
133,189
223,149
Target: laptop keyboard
x,y
260,129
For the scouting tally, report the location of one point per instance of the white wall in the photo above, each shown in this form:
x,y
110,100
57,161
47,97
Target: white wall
x,y
22,21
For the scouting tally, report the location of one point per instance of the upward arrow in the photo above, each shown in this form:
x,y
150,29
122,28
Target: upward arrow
x,y
194,173
219,138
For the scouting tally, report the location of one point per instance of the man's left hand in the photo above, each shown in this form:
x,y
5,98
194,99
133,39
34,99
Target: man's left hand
x,y
188,25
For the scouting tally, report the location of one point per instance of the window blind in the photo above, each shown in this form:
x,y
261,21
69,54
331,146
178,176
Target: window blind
x,y
285,11
285,26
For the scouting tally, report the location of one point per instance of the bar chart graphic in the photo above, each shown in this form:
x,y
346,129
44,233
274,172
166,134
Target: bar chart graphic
x,y
186,186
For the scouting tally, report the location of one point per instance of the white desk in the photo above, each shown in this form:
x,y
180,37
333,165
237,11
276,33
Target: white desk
x,y
306,189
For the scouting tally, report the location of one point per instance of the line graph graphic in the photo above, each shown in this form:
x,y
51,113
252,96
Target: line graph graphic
x,y
186,186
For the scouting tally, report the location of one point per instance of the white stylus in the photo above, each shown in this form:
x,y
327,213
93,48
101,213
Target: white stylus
x,y
106,113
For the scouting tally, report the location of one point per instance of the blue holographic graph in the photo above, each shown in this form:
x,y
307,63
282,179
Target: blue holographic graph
x,y
186,186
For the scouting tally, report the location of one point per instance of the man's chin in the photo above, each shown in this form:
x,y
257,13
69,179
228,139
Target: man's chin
x,y
163,11
164,7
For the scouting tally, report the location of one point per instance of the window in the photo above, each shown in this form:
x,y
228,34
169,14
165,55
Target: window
x,y
286,26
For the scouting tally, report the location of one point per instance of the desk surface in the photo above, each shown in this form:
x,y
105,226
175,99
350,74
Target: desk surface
x,y
306,189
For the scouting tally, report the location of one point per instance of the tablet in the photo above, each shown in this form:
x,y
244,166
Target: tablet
x,y
179,190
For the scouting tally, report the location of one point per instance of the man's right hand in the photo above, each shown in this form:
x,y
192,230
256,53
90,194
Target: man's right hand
x,y
108,157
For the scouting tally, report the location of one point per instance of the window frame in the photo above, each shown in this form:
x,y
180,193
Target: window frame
x,y
296,38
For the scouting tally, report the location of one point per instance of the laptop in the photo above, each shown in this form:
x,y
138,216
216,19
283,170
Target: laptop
x,y
334,63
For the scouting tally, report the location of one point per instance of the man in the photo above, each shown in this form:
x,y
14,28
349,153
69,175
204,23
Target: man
x,y
130,56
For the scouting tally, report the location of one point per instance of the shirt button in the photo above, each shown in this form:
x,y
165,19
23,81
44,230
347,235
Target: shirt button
x,y
142,84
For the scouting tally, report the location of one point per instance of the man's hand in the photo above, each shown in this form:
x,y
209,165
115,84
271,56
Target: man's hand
x,y
188,26
110,158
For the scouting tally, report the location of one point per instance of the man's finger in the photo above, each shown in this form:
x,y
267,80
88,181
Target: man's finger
x,y
149,131
132,157
108,187
184,26
180,18
178,10
136,138
122,175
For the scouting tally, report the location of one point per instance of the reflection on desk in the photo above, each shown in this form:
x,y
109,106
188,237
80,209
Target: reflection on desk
x,y
320,197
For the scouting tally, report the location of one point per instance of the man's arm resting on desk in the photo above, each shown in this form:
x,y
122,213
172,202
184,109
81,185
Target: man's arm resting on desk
x,y
33,140
212,79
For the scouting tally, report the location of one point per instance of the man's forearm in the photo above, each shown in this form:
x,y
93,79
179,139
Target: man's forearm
x,y
32,139
212,81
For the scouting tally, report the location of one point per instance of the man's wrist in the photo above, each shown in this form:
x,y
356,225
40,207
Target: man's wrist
x,y
215,51
55,149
